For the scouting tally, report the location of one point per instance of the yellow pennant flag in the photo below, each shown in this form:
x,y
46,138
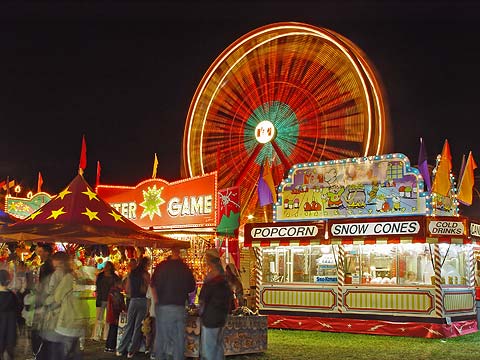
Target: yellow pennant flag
x,y
441,183
465,189
155,165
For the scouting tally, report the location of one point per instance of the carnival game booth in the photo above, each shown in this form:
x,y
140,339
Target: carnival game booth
x,y
358,246
193,210
77,215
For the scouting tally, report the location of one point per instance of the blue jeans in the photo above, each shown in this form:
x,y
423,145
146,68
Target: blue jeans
x,y
170,331
211,344
132,337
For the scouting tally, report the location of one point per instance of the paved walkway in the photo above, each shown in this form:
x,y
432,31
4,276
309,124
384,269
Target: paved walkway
x,y
94,350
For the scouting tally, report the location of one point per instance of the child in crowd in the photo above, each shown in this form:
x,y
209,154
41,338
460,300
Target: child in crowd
x,y
115,305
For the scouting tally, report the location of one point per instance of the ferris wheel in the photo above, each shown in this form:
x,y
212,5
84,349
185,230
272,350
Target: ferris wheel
x,y
285,93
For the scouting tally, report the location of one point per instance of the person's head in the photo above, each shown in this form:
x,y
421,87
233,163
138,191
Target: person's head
x,y
411,275
44,251
61,260
132,264
109,268
144,263
4,277
213,260
175,253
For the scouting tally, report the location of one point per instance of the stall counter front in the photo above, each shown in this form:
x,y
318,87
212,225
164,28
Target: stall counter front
x,y
243,335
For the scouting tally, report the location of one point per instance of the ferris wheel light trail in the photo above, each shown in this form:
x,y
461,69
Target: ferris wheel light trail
x,y
313,87
281,155
248,164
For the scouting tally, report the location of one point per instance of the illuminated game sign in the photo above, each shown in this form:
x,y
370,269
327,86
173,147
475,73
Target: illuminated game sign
x,y
158,204
358,187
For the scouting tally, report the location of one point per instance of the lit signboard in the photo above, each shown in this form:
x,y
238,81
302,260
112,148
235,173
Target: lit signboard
x,y
158,204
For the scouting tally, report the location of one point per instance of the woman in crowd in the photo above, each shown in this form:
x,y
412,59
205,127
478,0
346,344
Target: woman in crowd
x,y
73,313
104,282
50,309
115,305
136,286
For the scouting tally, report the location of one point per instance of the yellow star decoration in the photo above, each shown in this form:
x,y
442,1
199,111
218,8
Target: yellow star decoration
x,y
116,216
91,195
91,214
34,215
63,193
57,213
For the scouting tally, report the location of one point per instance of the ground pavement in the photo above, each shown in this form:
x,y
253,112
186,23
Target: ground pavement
x,y
93,350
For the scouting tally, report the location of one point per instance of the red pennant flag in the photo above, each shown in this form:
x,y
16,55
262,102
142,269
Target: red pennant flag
x,y
98,174
465,189
83,156
39,182
441,183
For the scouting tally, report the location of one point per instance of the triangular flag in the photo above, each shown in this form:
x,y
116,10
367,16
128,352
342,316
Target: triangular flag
x,y
97,182
268,177
465,189
266,187
83,157
155,165
39,182
441,183
423,165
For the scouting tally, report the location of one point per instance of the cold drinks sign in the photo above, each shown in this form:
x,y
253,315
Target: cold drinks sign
x,y
157,204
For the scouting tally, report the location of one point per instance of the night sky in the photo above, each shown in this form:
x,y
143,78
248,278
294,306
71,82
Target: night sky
x,y
124,76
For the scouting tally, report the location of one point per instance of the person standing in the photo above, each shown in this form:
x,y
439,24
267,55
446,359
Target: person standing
x,y
215,301
43,289
44,252
172,281
104,282
9,307
73,312
150,324
115,305
132,264
137,286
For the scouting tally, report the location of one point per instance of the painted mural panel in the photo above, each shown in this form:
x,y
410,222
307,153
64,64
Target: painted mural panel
x,y
358,187
23,207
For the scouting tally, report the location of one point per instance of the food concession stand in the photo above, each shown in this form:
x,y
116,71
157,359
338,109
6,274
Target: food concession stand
x,y
358,246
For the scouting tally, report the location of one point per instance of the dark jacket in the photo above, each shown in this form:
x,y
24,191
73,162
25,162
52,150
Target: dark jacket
x,y
115,305
9,308
103,284
215,300
172,281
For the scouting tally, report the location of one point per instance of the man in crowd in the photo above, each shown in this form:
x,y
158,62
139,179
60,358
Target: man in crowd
x,y
172,281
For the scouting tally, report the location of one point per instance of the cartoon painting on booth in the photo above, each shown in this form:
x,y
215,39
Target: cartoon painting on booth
x,y
358,187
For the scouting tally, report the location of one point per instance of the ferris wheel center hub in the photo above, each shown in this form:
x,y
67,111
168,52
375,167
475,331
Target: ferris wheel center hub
x,y
265,132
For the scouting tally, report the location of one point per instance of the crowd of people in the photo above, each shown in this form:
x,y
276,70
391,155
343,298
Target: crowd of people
x,y
143,311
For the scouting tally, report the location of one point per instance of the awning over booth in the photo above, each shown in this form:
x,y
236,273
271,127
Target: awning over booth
x,y
381,230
